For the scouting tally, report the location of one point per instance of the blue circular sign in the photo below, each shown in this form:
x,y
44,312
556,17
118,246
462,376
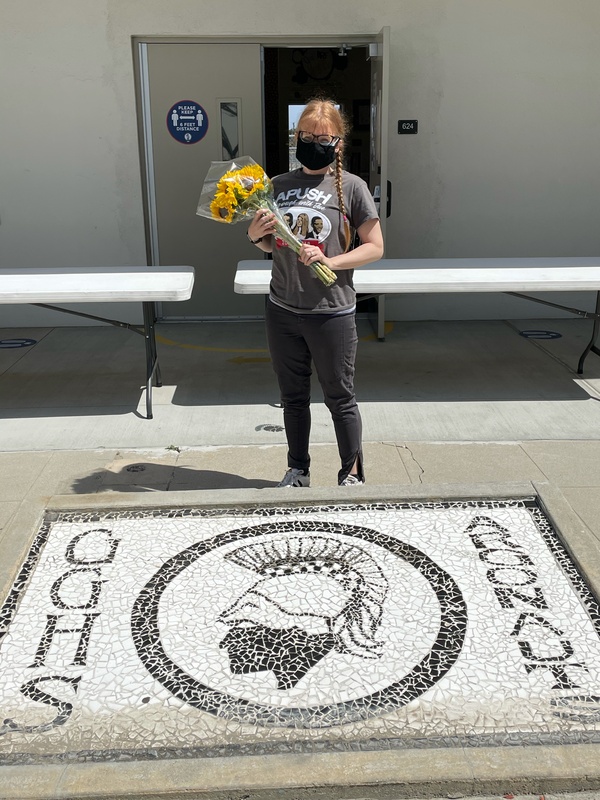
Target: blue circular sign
x,y
9,344
187,122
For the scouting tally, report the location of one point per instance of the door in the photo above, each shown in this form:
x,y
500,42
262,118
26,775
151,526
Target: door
x,y
379,54
200,103
190,79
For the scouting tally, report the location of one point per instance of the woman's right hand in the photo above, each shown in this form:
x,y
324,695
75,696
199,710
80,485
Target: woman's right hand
x,y
263,224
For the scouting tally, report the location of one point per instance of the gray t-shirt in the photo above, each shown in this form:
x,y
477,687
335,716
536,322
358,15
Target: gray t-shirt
x,y
310,205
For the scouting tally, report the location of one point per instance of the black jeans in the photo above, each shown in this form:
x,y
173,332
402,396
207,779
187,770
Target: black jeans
x,y
295,342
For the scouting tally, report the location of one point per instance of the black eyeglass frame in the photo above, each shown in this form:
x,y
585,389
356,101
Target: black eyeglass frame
x,y
308,138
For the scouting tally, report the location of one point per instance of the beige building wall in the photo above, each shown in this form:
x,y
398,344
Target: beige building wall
x,y
505,162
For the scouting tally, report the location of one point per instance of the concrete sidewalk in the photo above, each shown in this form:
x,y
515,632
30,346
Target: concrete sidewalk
x,y
442,402
451,410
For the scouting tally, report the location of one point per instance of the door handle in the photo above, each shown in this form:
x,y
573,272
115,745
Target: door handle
x,y
388,209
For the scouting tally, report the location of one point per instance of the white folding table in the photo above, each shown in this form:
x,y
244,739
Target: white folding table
x,y
514,276
45,286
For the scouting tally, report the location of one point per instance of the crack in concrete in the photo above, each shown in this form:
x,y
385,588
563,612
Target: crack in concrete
x,y
414,460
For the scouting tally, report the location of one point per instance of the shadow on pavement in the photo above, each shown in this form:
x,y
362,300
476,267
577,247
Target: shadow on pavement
x,y
151,477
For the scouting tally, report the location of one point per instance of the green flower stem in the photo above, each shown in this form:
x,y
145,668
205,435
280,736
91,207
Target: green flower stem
x,y
322,271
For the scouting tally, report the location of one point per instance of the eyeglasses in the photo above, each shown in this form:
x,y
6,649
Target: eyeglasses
x,y
321,138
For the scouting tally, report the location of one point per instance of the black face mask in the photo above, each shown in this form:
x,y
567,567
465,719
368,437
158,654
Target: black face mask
x,y
314,155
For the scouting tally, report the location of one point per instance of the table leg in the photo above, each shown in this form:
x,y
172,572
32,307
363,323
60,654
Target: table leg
x,y
381,317
152,367
592,343
378,324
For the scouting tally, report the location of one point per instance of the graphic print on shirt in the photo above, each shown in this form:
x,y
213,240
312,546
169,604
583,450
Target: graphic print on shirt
x,y
307,224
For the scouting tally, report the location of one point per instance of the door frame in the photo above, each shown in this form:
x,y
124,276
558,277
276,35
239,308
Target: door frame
x,y
142,89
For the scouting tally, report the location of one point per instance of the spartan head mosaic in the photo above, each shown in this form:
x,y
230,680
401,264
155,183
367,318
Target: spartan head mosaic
x,y
314,595
298,623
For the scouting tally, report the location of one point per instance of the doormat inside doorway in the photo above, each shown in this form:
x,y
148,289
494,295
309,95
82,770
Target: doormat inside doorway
x,y
178,633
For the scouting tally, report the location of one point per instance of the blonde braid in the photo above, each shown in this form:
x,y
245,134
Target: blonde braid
x,y
340,194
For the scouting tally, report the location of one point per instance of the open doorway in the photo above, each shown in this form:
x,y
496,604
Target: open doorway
x,y
292,75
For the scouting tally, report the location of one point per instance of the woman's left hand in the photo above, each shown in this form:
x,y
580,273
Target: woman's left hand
x,y
310,253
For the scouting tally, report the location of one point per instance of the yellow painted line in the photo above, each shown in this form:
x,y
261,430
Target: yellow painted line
x,y
388,327
248,360
186,346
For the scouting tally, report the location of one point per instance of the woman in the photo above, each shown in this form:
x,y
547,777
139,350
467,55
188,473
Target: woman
x,y
300,229
308,322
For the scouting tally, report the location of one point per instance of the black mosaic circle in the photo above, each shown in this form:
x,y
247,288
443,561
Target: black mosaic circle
x,y
441,657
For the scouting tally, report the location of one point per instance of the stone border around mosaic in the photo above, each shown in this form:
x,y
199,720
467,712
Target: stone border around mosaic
x,y
571,541
317,776
408,773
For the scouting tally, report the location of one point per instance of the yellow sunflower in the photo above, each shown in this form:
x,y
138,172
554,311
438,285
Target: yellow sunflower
x,y
223,206
247,181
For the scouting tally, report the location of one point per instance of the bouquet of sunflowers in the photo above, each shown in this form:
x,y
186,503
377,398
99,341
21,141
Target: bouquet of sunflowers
x,y
235,190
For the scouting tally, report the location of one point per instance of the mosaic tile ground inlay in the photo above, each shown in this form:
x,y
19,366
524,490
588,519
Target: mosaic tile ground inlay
x,y
194,632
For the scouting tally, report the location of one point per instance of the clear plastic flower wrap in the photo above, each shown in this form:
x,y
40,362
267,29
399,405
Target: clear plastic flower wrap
x,y
235,190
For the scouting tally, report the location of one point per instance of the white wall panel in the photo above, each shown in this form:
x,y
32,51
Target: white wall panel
x,y
505,91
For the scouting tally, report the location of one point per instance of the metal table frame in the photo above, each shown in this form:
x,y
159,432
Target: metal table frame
x,y
148,285
511,276
146,330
